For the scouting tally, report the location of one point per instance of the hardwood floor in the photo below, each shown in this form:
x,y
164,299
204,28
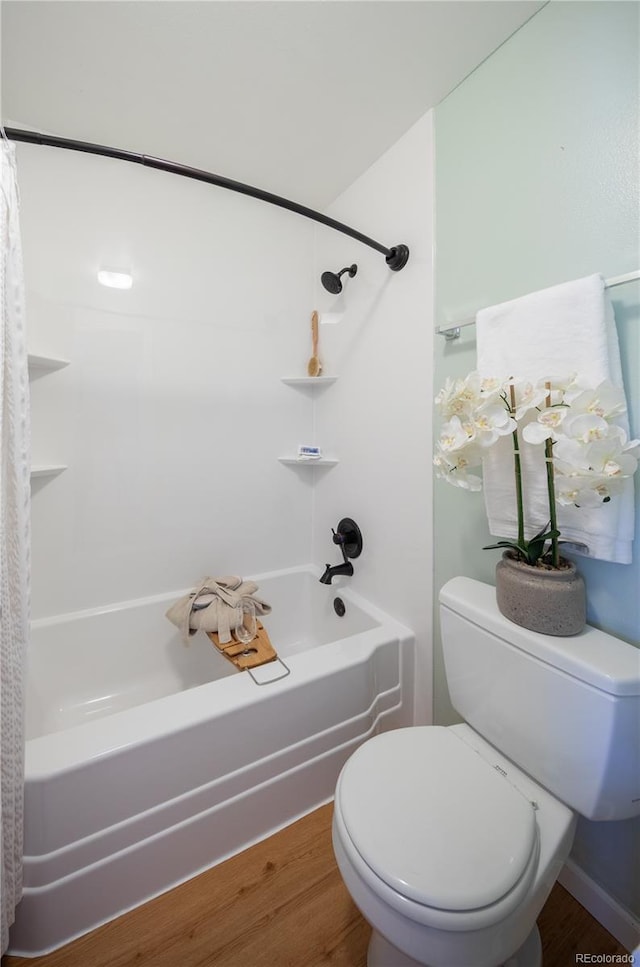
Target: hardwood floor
x,y
279,904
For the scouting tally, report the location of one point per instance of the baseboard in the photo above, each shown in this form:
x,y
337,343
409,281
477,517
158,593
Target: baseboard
x,y
613,916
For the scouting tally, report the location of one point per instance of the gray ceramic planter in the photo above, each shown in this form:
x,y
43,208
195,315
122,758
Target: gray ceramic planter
x,y
550,602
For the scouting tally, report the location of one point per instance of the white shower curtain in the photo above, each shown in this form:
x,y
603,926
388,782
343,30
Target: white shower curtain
x,y
15,460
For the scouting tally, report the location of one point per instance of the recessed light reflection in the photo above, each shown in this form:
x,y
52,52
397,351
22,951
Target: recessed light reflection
x,y
115,280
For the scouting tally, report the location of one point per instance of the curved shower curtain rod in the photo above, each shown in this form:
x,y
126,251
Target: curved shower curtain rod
x,y
396,257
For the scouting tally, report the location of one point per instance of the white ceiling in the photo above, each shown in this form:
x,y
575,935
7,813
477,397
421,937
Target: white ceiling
x,y
297,97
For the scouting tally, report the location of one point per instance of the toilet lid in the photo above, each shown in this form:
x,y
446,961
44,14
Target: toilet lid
x,y
434,820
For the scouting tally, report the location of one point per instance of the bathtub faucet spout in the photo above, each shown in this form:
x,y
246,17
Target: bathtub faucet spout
x,y
331,572
349,540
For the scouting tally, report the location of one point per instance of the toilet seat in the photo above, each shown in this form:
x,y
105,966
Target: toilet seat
x,y
442,829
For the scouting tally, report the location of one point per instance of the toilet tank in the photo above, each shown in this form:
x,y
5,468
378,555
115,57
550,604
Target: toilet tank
x,y
566,710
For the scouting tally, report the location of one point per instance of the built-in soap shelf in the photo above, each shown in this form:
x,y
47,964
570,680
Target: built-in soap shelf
x,y
308,464
314,382
47,469
45,364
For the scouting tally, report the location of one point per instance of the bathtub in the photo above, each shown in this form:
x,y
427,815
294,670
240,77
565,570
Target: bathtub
x,y
149,761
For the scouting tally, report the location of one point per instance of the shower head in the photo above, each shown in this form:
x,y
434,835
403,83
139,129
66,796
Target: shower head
x,y
331,280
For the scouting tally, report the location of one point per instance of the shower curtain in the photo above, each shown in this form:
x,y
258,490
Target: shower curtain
x,y
15,460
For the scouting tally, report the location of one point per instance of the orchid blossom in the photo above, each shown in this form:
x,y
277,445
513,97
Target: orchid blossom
x,y
587,455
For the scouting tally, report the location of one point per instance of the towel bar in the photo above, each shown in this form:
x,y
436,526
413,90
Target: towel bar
x,y
452,329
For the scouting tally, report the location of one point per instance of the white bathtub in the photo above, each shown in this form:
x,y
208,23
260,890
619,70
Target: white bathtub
x,y
149,761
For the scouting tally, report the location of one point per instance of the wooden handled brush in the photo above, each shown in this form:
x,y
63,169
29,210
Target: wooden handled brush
x,y
314,366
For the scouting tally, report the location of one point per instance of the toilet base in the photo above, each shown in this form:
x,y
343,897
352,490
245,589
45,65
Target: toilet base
x,y
383,954
530,953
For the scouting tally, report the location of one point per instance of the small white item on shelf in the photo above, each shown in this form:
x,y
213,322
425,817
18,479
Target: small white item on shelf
x,y
309,453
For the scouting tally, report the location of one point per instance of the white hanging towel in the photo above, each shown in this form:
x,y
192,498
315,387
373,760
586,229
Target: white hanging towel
x,y
568,328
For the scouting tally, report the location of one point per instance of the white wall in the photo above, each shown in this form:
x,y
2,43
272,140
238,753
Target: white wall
x,y
171,415
377,418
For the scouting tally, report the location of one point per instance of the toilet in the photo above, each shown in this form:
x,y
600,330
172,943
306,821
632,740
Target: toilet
x,y
449,839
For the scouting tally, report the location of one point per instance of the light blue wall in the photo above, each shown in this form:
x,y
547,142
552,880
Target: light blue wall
x,y
536,184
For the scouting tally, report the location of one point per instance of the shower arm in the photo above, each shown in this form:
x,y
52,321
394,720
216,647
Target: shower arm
x,y
396,257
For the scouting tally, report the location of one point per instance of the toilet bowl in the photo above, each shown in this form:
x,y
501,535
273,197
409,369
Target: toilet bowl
x,y
449,840
447,848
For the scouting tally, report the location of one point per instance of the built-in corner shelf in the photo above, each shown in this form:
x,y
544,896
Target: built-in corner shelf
x,y
312,381
308,464
47,364
47,469
42,365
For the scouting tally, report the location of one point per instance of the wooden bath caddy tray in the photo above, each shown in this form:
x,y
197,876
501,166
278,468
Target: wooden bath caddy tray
x,y
256,652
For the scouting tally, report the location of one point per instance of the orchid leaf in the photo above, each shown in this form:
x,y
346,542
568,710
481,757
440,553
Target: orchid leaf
x,y
512,544
528,551
519,548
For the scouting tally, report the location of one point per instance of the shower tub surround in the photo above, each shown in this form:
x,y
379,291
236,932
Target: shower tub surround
x,y
149,760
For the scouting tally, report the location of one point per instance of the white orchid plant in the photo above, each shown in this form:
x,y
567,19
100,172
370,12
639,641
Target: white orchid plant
x,y
588,455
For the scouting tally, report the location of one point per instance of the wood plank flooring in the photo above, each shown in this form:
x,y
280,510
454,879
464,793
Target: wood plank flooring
x,y
281,903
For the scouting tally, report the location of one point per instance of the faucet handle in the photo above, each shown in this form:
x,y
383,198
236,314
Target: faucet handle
x,y
349,538
339,538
